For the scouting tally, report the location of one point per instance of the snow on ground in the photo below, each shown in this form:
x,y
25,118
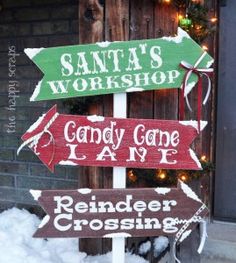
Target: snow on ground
x,y
18,246
145,247
160,244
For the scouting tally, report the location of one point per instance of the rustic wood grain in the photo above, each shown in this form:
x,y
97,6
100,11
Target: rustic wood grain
x,y
160,104
144,23
109,142
91,16
166,101
140,104
119,204
166,20
205,145
116,29
117,20
90,21
166,23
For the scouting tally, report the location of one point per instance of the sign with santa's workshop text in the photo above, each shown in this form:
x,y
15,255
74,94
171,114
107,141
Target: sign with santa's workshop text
x,y
104,141
119,212
117,67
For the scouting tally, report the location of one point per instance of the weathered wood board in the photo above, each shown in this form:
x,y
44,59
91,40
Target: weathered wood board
x,y
114,67
112,142
119,212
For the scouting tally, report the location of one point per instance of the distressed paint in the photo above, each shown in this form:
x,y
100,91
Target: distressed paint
x,y
116,67
119,213
112,142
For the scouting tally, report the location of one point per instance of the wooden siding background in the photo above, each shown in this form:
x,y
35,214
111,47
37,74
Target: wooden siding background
x,y
114,20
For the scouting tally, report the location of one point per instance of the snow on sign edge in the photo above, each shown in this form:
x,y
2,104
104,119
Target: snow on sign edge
x,y
179,38
162,190
95,118
121,234
36,91
32,52
189,192
36,124
44,221
36,194
194,124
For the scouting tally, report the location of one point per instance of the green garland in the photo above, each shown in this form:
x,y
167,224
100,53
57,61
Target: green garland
x,y
195,19
163,178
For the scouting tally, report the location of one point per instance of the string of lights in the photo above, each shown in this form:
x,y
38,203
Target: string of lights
x,y
195,18
162,177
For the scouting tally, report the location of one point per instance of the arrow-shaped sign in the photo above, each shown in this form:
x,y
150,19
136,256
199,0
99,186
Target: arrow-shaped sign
x,y
119,212
101,141
103,68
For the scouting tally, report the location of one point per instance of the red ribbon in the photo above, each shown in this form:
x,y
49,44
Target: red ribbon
x,y
199,73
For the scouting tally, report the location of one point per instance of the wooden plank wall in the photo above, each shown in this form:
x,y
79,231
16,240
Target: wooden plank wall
x,y
112,20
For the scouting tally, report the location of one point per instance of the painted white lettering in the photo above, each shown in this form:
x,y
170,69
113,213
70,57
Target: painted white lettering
x,y
142,79
82,66
174,138
158,79
138,140
111,224
96,83
116,55
111,82
63,217
127,81
106,207
140,206
126,223
155,53
78,224
124,206
106,152
81,207
100,62
96,224
165,153
72,154
152,223
59,86
66,131
80,87
133,60
154,206
67,69
141,152
172,75
81,134
96,132
63,203
169,225
167,205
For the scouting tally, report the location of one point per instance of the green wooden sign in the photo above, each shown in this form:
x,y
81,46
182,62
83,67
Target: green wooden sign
x,y
103,68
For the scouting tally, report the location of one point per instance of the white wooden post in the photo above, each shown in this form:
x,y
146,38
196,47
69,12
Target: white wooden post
x,y
119,177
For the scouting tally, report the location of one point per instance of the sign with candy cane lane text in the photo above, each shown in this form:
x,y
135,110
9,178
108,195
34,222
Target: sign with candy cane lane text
x,y
104,141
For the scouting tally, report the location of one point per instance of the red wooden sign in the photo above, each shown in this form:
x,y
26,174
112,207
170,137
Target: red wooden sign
x,y
99,141
119,212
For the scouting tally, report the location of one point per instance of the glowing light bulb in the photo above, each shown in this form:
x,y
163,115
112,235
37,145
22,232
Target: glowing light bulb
x,y
161,174
183,178
132,176
213,19
204,47
203,158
